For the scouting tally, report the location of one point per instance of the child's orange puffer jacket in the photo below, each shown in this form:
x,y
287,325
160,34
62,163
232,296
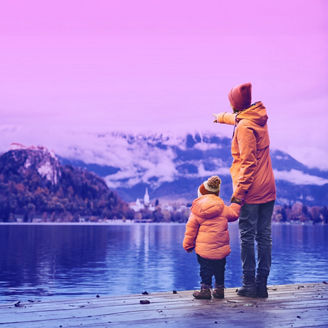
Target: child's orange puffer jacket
x,y
207,227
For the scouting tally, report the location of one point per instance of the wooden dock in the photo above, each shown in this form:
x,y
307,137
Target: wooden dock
x,y
300,305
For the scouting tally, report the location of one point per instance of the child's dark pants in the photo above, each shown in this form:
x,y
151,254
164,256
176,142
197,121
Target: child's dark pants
x,y
210,268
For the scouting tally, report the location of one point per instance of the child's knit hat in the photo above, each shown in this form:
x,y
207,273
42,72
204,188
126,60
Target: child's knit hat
x,y
210,186
240,97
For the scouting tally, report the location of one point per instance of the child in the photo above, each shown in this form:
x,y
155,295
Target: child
x,y
207,232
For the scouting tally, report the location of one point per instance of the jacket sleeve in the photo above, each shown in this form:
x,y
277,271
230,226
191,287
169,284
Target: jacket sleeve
x,y
226,118
248,150
232,212
192,227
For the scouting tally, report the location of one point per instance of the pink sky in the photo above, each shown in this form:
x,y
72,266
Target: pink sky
x,y
165,65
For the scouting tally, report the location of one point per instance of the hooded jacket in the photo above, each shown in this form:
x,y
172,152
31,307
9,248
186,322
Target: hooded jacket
x,y
207,227
251,169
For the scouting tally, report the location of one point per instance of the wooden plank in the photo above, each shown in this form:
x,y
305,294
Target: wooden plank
x,y
292,305
275,292
272,319
28,307
279,291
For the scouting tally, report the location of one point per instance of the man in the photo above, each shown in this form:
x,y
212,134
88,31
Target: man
x,y
253,186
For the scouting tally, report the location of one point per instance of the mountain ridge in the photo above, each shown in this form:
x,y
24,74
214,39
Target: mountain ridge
x,y
34,183
173,166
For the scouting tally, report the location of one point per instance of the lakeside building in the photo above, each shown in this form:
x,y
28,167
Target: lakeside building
x,y
144,203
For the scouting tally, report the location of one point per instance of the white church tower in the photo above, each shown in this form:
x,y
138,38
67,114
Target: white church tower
x,y
146,198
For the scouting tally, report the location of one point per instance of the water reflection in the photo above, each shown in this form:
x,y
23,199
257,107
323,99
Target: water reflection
x,y
299,253
60,261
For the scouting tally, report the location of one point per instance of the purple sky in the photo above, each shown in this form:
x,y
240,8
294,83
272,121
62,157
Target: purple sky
x,y
160,65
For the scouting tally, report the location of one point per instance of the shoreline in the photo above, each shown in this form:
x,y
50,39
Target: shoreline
x,y
129,223
110,223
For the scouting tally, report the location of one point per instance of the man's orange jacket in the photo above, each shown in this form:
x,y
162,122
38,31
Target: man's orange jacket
x,y
251,169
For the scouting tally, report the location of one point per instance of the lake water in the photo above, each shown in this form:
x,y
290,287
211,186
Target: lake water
x,y
42,262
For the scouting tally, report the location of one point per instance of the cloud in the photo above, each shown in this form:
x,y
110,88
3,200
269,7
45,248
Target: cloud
x,y
310,156
300,178
219,171
145,157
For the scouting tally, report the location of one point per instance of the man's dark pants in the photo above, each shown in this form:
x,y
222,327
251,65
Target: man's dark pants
x,y
255,224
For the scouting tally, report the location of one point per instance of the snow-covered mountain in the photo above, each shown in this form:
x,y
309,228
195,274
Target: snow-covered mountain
x,y
172,166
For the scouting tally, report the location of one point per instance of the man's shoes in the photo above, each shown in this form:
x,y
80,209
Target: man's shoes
x,y
247,291
261,286
248,288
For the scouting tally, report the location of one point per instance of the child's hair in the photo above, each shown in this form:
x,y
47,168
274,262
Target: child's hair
x,y
210,186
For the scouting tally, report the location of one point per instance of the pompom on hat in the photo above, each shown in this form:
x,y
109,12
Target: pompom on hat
x,y
210,186
240,97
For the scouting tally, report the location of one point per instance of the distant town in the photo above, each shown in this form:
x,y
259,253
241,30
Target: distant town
x,y
145,210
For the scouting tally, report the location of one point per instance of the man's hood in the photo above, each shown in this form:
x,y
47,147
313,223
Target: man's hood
x,y
207,206
256,113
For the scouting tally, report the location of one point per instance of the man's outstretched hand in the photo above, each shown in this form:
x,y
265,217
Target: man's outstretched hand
x,y
216,118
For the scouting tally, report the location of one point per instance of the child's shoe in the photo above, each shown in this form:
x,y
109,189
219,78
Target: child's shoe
x,y
204,293
218,291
